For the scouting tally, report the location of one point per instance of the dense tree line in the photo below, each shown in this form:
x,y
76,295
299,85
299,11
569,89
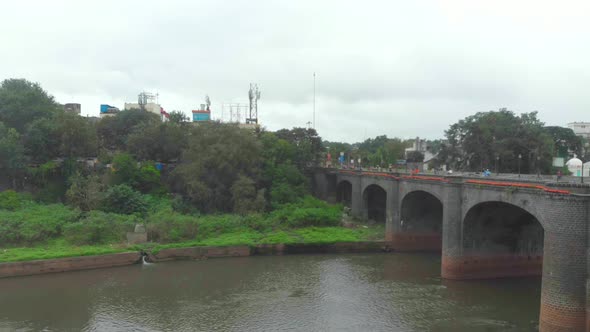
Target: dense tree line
x,y
506,140
212,167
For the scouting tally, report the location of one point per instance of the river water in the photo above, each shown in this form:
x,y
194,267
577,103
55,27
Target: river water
x,y
360,292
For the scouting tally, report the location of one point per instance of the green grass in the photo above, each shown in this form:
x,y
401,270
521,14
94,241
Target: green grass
x,y
33,231
57,249
308,235
60,248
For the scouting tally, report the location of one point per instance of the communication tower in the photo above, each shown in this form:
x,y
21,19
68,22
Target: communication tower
x,y
146,97
253,95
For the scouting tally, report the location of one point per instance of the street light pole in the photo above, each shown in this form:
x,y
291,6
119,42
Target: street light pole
x,y
582,169
519,158
497,170
538,168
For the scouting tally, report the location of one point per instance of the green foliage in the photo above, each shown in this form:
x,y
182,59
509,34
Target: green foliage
x,y
77,136
99,228
307,145
85,193
22,101
113,131
158,141
10,200
245,198
308,212
56,249
167,226
12,156
476,141
143,177
217,155
564,140
34,224
178,117
327,235
124,200
42,140
415,157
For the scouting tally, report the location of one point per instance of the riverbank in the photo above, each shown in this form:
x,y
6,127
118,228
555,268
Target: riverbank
x,y
23,268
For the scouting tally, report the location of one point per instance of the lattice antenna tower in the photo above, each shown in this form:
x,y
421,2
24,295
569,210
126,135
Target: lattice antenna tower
x,y
145,97
253,95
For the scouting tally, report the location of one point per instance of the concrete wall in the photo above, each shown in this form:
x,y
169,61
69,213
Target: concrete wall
x,y
67,264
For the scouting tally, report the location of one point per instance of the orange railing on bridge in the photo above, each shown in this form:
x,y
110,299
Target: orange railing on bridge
x,y
442,179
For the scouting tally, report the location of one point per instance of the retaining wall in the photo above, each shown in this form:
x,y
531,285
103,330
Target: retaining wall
x,y
68,264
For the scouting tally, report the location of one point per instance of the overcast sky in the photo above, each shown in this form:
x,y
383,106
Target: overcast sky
x,y
400,68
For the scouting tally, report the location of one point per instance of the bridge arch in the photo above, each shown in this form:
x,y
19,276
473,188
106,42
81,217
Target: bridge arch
x,y
500,239
421,222
375,203
344,193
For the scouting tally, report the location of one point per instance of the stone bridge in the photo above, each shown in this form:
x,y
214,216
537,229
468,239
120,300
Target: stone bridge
x,y
484,229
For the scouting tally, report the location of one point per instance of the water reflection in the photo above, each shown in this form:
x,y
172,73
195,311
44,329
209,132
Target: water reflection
x,y
377,292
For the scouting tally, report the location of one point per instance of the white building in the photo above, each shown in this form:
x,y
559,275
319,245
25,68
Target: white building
x,y
150,107
580,128
421,146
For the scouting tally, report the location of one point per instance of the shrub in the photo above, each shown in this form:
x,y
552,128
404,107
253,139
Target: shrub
x,y
37,223
123,199
181,205
99,227
85,193
167,226
308,211
11,200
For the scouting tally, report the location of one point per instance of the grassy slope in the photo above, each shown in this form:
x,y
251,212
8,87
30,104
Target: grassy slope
x,y
59,248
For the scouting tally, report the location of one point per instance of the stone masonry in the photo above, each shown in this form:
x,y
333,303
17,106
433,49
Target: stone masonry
x,y
560,252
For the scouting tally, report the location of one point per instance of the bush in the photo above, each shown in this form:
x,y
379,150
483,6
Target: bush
x,y
99,227
38,223
85,193
181,205
123,199
168,226
11,200
308,211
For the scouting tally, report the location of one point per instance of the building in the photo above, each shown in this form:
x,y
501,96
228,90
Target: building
x,y
203,114
73,108
580,128
107,110
150,107
421,146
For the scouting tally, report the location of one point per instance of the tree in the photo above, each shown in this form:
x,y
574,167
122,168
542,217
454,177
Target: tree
x,y
564,140
307,143
85,193
124,200
12,157
113,131
178,117
41,140
158,141
217,155
245,197
484,139
77,136
415,157
22,102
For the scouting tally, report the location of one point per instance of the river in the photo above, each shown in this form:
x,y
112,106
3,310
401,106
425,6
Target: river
x,y
358,292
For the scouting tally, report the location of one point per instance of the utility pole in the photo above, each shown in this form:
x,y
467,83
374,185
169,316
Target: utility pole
x,y
314,100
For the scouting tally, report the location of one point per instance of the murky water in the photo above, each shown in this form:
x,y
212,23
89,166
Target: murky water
x,y
372,292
